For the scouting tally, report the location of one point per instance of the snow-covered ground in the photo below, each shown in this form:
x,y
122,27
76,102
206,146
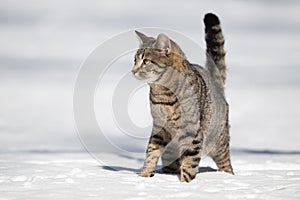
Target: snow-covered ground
x,y
43,44
78,176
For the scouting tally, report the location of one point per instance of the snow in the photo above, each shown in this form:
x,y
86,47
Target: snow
x,y
78,176
43,44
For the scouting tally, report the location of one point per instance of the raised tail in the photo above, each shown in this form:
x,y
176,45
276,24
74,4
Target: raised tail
x,y
215,48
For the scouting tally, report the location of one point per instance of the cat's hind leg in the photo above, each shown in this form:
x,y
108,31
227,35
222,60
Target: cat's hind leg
x,y
221,154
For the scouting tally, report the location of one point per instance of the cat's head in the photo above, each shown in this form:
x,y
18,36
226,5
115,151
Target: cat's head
x,y
154,56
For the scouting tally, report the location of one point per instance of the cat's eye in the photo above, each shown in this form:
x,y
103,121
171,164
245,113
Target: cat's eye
x,y
146,61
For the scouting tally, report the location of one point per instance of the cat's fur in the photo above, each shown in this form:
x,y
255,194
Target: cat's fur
x,y
188,106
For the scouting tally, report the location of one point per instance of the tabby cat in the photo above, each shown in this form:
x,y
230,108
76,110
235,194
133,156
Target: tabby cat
x,y
188,106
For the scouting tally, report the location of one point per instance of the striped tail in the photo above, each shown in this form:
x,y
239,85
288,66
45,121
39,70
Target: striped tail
x,y
215,48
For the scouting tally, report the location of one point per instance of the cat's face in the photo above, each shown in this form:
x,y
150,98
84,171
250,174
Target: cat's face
x,y
149,64
152,59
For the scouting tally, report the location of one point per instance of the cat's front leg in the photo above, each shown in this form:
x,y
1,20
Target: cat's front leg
x,y
154,150
191,155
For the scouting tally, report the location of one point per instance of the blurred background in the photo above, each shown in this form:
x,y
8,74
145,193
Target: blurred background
x,y
43,43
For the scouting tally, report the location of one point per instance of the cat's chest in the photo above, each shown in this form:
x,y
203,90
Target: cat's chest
x,y
163,106
166,116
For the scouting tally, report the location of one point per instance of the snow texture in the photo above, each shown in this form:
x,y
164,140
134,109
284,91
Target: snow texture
x,y
78,176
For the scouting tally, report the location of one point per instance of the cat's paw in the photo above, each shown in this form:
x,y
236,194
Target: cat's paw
x,y
227,170
186,177
146,174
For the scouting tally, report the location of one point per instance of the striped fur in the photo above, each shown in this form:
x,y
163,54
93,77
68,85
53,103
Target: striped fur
x,y
215,48
184,105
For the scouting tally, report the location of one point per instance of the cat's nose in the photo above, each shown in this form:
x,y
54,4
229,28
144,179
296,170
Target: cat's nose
x,y
134,69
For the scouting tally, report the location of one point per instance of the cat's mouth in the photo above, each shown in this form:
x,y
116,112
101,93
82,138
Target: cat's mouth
x,y
143,78
138,76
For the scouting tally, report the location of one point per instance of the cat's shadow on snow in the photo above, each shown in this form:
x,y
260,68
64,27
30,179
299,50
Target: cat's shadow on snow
x,y
159,170
235,151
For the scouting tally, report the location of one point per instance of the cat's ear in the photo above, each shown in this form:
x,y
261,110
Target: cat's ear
x,y
163,42
142,37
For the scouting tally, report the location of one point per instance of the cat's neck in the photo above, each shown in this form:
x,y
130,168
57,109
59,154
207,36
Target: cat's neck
x,y
177,74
